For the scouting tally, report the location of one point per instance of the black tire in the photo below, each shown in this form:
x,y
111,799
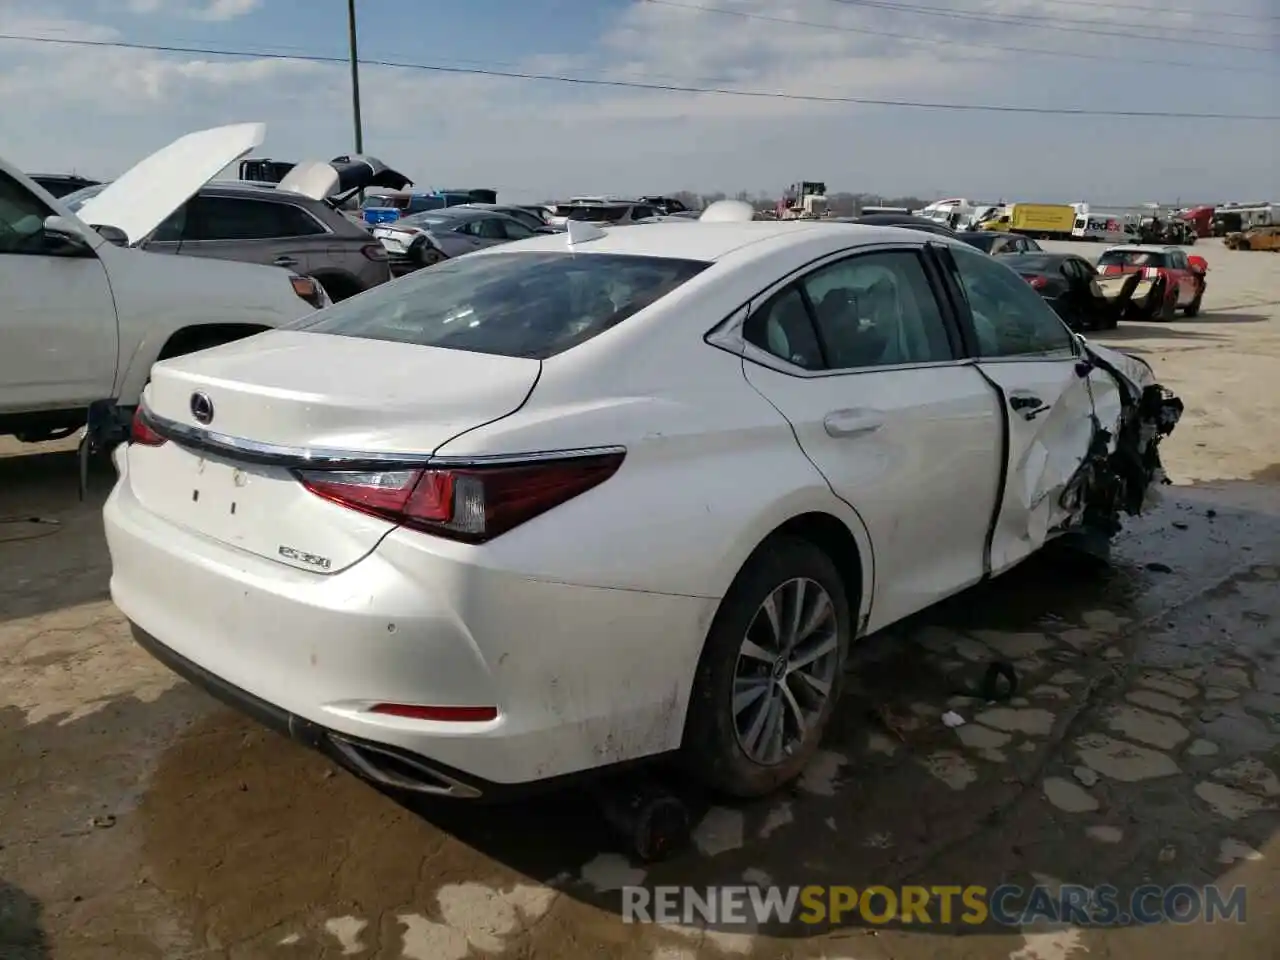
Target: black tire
x,y
336,287
428,256
711,750
1193,307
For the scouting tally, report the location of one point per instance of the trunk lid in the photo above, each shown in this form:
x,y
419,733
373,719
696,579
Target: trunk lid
x,y
148,192
341,176
308,391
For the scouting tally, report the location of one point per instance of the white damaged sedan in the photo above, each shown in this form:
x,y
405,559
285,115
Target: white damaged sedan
x,y
612,494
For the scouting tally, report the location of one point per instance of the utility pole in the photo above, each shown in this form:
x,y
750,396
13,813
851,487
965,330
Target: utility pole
x,y
355,75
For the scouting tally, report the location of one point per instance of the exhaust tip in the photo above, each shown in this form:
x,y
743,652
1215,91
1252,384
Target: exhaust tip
x,y
400,770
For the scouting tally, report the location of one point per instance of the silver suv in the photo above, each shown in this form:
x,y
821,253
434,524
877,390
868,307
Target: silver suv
x,y
257,223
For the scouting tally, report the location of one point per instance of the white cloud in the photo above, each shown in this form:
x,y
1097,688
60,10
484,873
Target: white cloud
x,y
209,10
97,110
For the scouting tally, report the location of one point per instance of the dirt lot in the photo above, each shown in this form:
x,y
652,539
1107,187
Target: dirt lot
x,y
139,819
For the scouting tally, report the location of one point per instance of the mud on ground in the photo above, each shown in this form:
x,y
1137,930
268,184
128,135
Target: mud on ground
x,y
140,819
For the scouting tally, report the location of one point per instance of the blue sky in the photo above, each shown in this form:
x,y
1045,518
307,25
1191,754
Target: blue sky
x,y
99,110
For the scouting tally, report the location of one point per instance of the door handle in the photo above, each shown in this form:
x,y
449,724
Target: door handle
x,y
1027,404
850,423
285,261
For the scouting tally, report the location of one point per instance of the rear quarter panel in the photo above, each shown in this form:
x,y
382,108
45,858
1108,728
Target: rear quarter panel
x,y
712,467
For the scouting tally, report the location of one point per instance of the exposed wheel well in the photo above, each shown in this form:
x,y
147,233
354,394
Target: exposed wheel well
x,y
190,339
338,286
833,538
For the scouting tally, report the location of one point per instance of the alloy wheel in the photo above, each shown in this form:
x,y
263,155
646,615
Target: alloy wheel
x,y
786,670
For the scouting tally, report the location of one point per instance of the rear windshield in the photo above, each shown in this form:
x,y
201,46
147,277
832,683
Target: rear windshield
x,y
1029,264
1132,258
380,200
535,304
983,241
75,200
431,218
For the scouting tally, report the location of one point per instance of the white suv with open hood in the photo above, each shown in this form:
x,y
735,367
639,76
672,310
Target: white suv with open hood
x,y
84,315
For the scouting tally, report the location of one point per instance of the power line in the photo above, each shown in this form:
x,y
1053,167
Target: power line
x,y
1028,18
948,42
639,85
1007,21
1185,11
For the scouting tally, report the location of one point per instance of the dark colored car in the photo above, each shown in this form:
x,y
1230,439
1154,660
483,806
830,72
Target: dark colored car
x,y
523,214
1071,286
232,220
665,206
61,184
999,244
423,239
900,220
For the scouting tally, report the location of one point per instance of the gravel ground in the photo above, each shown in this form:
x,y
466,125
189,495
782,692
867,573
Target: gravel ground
x,y
139,819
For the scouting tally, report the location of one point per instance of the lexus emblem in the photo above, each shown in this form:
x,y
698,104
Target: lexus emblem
x,y
202,408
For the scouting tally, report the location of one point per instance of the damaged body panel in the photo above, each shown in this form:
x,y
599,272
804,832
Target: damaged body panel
x,y
1082,423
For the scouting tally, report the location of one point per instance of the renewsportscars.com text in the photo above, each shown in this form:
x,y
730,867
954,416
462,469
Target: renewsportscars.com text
x,y
1007,905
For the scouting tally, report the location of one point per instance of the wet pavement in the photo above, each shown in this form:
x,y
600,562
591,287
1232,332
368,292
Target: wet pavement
x,y
141,819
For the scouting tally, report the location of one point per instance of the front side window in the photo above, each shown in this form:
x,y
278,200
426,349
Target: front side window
x,y
22,216
532,304
1009,317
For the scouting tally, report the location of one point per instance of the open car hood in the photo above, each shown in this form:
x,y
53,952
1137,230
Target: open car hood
x,y
147,193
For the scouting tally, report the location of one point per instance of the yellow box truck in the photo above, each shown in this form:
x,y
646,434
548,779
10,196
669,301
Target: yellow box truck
x,y
1047,221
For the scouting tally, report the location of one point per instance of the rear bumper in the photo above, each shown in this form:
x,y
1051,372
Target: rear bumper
x,y
389,766
582,677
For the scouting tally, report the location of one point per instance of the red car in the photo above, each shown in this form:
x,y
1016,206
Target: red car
x,y
1171,280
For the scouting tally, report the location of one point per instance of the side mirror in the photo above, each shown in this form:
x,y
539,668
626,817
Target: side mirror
x,y
63,238
112,234
1198,264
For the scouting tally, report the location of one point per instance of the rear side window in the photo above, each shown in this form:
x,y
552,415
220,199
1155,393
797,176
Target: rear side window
x,y
227,218
511,304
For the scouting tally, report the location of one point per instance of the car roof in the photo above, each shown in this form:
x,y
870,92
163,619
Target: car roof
x,y
1042,255
1142,248
458,212
709,242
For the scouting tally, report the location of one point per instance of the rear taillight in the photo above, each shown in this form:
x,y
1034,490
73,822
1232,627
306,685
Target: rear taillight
x,y
375,252
472,504
1037,283
141,432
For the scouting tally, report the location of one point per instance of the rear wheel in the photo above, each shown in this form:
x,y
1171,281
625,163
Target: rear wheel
x,y
769,676
1168,309
338,288
1193,307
